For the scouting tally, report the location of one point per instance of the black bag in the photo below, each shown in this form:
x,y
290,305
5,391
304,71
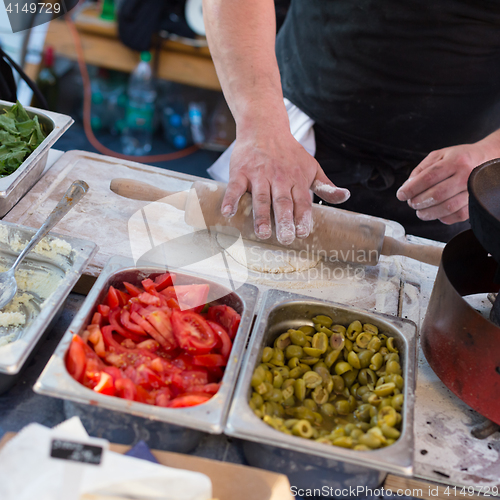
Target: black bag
x,y
140,20
8,88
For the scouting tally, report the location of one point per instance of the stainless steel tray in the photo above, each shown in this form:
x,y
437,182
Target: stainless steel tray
x,y
15,354
279,312
208,417
15,186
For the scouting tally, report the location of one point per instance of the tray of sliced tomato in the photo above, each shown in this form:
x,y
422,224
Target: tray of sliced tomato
x,y
165,345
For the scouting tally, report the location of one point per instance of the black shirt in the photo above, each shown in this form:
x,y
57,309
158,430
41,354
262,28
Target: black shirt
x,y
398,76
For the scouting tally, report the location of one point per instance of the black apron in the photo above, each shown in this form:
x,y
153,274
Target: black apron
x,y
389,81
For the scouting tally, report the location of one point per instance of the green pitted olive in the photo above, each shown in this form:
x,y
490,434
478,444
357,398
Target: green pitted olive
x,y
363,339
267,354
350,377
328,410
376,362
348,346
331,358
375,344
320,342
365,357
277,379
397,402
298,337
387,415
385,389
338,384
391,346
311,404
278,358
353,360
283,341
307,329
367,376
391,356
313,352
342,367
342,407
320,395
312,379
294,351
323,321
325,330
303,429
354,329
296,372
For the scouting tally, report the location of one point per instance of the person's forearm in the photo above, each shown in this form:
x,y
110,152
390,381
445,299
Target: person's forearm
x,y
241,36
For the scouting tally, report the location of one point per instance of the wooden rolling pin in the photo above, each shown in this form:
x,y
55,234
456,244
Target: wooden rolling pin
x,y
337,235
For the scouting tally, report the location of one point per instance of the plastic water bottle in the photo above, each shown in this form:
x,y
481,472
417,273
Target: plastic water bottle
x,y
138,133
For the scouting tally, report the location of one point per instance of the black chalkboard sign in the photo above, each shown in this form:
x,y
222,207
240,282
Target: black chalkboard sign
x,y
76,452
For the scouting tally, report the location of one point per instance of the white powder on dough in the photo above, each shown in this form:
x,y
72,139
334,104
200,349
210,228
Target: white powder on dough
x,y
266,258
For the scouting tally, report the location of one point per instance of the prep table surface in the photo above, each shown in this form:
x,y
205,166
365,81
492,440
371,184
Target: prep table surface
x,y
445,451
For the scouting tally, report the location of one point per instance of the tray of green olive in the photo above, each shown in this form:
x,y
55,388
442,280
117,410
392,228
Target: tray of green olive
x,y
329,380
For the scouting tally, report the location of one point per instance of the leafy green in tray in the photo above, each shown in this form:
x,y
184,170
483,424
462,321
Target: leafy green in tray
x,y
19,136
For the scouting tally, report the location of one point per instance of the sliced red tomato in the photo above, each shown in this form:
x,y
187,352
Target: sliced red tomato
x,y
95,337
192,297
113,371
162,397
212,388
186,400
96,319
124,297
105,385
133,290
113,299
226,344
210,360
118,328
129,325
149,285
192,332
164,280
103,310
148,299
76,359
148,379
126,389
151,330
149,345
225,316
160,320
92,373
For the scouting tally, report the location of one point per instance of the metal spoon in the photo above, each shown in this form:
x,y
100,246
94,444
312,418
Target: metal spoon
x,y
8,284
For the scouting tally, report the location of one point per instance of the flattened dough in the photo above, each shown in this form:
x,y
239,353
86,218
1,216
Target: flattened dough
x,y
266,258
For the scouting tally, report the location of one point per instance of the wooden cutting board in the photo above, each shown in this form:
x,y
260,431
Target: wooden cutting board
x,y
101,216
106,218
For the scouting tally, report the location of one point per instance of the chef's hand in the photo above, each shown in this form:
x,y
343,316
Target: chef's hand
x,y
278,171
437,187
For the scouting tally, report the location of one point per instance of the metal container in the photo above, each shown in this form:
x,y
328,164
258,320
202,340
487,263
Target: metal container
x,y
208,417
14,186
15,355
460,344
309,464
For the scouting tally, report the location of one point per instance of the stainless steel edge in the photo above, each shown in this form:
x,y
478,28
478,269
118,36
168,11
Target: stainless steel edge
x,y
208,417
84,251
243,424
15,186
